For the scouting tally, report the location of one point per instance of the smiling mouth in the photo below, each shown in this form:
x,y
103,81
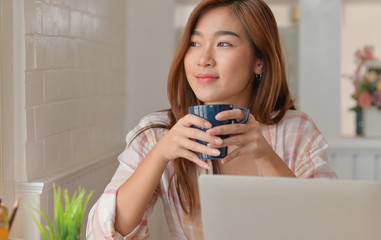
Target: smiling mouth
x,y
206,78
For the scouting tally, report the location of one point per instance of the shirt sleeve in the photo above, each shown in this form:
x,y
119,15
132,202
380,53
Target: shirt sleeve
x,y
101,218
312,159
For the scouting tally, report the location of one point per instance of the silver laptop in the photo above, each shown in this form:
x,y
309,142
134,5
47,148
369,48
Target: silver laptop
x,y
263,208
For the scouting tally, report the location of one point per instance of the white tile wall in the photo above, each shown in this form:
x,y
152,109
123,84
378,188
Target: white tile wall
x,y
75,82
75,99
33,16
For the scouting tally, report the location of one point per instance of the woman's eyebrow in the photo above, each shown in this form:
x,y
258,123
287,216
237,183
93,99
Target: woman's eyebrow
x,y
218,33
226,32
195,32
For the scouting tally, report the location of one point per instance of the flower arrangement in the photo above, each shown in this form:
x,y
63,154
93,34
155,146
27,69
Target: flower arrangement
x,y
367,83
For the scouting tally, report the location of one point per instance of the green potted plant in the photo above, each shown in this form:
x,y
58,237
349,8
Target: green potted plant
x,y
67,218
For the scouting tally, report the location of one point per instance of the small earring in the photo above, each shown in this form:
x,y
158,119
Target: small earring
x,y
258,76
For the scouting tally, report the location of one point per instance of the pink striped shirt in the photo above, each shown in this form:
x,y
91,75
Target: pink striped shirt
x,y
296,140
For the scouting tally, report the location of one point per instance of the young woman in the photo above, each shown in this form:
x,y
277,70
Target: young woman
x,y
230,53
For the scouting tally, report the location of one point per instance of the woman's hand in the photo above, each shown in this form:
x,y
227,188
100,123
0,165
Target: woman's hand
x,y
247,137
250,144
179,141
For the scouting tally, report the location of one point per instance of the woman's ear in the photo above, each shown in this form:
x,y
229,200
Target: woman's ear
x,y
258,66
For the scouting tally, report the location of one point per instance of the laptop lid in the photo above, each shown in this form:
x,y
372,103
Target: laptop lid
x,y
242,207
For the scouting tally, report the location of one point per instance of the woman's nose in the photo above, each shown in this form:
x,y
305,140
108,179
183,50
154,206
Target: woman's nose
x,y
206,58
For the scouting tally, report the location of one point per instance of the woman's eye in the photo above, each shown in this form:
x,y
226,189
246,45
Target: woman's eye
x,y
223,44
194,44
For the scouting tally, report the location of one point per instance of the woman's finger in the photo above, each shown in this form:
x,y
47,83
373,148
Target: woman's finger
x,y
237,114
193,120
251,138
194,146
229,129
191,156
235,128
235,154
194,133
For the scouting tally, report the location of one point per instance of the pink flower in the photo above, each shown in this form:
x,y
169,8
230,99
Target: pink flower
x,y
376,98
362,55
365,54
365,99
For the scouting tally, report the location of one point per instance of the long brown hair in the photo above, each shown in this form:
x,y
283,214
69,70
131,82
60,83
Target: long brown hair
x,y
270,94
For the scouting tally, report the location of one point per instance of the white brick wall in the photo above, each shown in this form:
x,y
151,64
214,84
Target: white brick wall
x,y
74,113
75,82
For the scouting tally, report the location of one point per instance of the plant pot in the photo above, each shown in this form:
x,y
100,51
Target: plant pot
x,y
371,122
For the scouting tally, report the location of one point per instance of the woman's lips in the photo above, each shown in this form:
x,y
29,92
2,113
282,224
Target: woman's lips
x,y
206,78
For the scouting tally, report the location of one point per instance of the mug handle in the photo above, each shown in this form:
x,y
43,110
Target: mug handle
x,y
246,117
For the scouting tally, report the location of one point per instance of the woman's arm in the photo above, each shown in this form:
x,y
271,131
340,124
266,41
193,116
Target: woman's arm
x,y
135,193
133,196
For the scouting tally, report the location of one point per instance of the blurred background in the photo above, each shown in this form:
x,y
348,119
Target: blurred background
x,y
77,75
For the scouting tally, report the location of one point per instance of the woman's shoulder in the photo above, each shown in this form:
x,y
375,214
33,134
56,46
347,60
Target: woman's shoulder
x,y
155,118
150,126
297,119
298,129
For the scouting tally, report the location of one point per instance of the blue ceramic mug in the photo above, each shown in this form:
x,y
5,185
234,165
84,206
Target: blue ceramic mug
x,y
209,113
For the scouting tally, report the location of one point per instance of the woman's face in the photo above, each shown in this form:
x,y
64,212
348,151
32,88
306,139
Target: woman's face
x,y
219,63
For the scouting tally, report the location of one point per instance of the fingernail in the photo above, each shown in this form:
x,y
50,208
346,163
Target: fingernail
x,y
207,124
218,141
216,152
211,131
219,116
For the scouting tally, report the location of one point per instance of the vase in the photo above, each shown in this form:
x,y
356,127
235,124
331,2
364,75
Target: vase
x,y
358,121
371,122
